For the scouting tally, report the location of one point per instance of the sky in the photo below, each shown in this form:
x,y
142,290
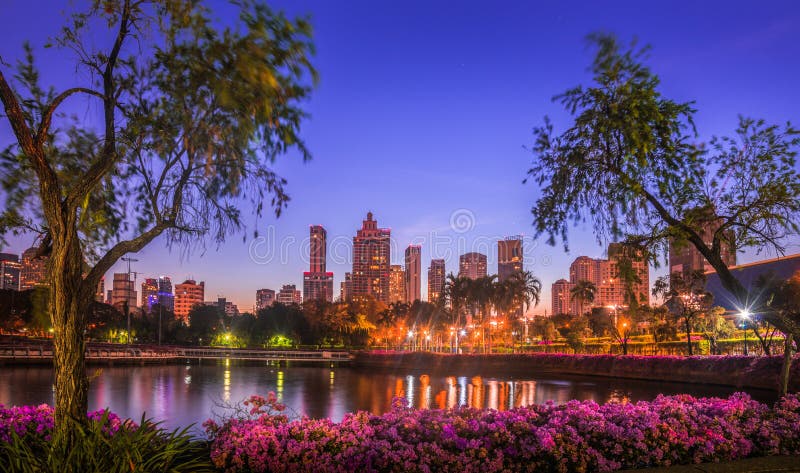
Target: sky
x,y
424,110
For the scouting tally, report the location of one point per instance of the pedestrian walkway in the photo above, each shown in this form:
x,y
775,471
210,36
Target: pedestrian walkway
x,y
776,464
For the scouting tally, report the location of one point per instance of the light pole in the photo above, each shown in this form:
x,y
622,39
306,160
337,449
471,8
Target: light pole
x,y
745,316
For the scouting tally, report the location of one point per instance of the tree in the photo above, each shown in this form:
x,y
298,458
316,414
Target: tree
x,y
191,120
686,297
629,163
583,292
714,326
783,299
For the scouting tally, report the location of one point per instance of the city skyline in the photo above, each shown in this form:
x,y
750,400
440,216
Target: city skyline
x,y
409,94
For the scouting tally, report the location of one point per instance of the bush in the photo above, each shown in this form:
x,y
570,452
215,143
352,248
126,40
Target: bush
x,y
107,444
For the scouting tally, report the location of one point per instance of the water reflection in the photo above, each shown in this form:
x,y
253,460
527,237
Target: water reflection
x,y
184,394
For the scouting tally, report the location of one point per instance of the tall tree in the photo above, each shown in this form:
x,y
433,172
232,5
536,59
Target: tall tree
x,y
191,118
630,165
583,292
686,297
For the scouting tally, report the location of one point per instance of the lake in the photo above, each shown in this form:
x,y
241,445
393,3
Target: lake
x,y
179,395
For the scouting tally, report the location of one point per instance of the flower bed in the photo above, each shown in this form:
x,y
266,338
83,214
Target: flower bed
x,y
576,436
35,423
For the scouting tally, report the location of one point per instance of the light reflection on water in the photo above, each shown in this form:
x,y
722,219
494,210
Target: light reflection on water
x,y
182,394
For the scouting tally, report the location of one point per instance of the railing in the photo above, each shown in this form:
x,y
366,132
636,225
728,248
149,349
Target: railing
x,y
139,353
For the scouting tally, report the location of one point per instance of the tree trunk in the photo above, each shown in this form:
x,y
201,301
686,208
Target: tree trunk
x,y
786,369
70,303
689,336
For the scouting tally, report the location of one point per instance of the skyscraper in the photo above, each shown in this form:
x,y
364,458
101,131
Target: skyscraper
x,y
436,280
561,295
10,269
165,296
371,256
123,290
413,273
472,265
187,295
509,257
158,291
149,293
346,287
397,283
264,298
685,258
34,270
317,283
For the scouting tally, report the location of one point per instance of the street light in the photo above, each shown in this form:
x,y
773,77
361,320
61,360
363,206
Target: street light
x,y
745,316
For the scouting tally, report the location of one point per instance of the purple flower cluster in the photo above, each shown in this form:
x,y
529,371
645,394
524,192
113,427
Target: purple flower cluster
x,y
36,422
576,436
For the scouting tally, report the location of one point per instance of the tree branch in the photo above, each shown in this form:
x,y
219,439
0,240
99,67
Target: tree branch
x,y
47,116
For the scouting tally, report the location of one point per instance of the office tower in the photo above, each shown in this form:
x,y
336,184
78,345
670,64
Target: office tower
x,y
685,258
437,278
317,282
371,256
34,270
289,295
149,293
165,296
123,290
509,257
397,283
99,296
10,269
472,265
346,287
264,298
413,273
188,294
562,295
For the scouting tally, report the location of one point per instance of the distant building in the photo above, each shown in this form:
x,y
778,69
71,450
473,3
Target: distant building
x,y
264,298
436,280
289,295
149,293
371,256
227,307
685,258
397,283
122,291
34,270
509,257
100,295
472,265
777,269
10,269
317,282
158,292
346,287
413,273
561,297
188,294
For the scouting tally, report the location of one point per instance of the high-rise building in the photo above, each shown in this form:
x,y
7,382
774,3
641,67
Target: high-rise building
x,y
188,294
371,256
397,283
165,296
264,298
346,287
317,282
289,294
99,296
436,280
225,306
509,257
10,269
561,292
610,288
34,270
122,291
686,258
149,293
472,265
413,273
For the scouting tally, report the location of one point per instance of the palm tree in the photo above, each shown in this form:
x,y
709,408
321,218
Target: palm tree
x,y
583,292
456,291
526,289
481,294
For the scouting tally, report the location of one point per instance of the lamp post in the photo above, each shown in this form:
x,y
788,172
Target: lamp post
x,y
745,316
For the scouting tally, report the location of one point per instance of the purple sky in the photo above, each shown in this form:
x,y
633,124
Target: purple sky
x,y
423,110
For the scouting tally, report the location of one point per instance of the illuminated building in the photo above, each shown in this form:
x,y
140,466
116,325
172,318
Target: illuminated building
x,y
264,298
413,273
397,283
188,294
317,282
436,280
10,269
371,256
509,257
34,270
472,265
289,294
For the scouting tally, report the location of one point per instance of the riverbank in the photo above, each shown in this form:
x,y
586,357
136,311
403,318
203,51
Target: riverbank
x,y
737,371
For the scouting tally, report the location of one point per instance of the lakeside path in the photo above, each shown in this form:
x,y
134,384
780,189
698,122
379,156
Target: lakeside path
x,y
749,465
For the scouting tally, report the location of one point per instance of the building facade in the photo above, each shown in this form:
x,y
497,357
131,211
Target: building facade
x,y
149,293
397,283
10,269
289,294
472,265
188,294
413,273
317,281
34,270
685,258
123,291
561,292
264,298
371,257
436,280
509,257
751,276
346,287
